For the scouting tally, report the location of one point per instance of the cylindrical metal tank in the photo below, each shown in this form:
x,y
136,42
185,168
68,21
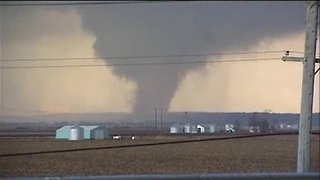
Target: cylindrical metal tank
x,y
175,129
76,133
187,128
212,129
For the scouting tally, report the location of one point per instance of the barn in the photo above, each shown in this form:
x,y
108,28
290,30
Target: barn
x,y
63,132
95,132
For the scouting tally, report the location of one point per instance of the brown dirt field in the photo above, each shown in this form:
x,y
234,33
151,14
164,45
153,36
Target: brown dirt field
x,y
259,154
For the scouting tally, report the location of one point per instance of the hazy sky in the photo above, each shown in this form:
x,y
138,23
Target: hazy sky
x,y
153,29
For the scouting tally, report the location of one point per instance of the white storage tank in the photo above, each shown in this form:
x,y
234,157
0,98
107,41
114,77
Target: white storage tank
x,y
187,128
175,129
212,128
76,133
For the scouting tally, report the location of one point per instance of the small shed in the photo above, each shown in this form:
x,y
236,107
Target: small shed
x,y
187,128
95,132
200,129
63,132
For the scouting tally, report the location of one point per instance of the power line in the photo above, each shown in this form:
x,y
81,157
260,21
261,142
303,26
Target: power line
x,y
143,57
139,64
86,3
23,110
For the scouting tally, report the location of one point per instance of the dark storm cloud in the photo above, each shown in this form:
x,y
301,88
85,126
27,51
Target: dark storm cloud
x,y
182,28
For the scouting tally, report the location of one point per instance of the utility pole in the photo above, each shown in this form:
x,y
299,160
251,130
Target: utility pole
x,y
161,122
303,163
155,118
308,61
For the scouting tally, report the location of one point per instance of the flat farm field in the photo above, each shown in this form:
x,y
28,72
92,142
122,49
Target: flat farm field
x,y
254,154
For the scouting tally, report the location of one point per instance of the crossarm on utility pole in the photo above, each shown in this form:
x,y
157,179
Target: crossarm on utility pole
x,y
297,59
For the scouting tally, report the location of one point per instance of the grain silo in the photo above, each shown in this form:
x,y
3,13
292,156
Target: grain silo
x,y
176,128
76,133
187,128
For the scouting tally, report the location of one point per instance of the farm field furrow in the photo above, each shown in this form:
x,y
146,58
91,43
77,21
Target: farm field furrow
x,y
259,154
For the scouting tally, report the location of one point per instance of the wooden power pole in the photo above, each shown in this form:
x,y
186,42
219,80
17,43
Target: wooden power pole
x,y
303,161
308,61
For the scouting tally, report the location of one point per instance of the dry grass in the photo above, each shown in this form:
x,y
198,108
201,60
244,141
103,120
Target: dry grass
x,y
260,154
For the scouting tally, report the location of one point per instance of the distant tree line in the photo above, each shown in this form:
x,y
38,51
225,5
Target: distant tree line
x,y
261,122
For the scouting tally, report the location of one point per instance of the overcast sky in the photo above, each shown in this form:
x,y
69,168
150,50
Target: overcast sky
x,y
153,29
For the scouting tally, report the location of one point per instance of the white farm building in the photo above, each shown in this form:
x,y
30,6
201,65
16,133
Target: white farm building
x,y
95,132
200,129
82,132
